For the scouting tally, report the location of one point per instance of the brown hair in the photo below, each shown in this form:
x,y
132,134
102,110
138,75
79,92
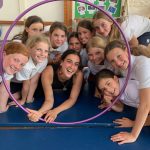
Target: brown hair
x,y
16,47
87,24
28,22
58,25
114,44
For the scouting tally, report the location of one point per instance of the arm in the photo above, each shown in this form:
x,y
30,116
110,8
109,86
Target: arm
x,y
77,83
33,85
141,116
133,42
4,97
24,91
107,101
47,79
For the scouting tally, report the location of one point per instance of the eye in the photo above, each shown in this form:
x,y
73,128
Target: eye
x,y
41,30
118,56
77,64
22,65
39,49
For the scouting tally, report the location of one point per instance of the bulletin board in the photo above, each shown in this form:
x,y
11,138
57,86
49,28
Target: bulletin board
x,y
113,7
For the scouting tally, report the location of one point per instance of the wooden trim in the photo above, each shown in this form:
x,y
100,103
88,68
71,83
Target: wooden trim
x,y
4,22
68,13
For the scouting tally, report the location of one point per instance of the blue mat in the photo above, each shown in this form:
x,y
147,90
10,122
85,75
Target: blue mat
x,y
92,135
86,107
68,139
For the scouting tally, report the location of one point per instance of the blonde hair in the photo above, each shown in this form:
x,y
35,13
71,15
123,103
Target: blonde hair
x,y
114,34
32,41
136,51
96,41
16,47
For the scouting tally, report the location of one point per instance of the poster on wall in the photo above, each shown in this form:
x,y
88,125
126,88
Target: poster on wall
x,y
113,7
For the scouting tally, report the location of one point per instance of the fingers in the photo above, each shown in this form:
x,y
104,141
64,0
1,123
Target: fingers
x,y
12,103
33,115
120,138
50,117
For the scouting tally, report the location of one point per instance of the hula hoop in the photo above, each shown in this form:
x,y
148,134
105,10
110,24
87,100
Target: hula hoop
x,y
64,123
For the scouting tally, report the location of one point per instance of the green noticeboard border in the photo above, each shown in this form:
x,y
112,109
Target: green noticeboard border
x,y
86,11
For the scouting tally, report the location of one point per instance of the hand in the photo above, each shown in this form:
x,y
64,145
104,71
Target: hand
x,y
21,102
30,100
2,109
123,137
124,122
34,115
108,99
103,105
57,58
50,116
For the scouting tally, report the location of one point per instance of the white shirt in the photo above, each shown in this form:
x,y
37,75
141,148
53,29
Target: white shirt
x,y
84,57
60,50
96,68
135,25
130,96
6,77
29,70
140,70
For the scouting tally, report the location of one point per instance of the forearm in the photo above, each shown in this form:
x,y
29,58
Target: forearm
x,y
32,88
118,107
140,120
3,97
47,105
142,112
25,90
133,42
65,105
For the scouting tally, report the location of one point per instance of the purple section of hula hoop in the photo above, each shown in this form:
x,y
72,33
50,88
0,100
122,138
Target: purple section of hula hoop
x,y
88,3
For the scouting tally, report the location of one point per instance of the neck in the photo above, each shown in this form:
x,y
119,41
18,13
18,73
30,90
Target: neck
x,y
61,76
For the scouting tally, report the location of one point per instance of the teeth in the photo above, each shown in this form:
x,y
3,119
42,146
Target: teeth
x,y
69,70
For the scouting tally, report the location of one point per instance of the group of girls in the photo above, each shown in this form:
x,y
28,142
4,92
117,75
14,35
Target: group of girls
x,y
61,58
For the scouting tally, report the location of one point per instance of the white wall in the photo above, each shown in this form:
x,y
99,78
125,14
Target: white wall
x,y
53,11
139,7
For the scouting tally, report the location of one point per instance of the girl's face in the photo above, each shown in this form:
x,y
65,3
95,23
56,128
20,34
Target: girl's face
x,y
13,63
96,55
84,35
102,27
75,44
118,58
35,29
39,52
70,65
57,38
109,86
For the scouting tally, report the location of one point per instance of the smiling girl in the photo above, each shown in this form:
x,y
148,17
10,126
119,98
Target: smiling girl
x,y
116,53
15,56
65,76
39,49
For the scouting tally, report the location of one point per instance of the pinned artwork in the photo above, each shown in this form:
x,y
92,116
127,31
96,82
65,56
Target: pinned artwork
x,y
113,7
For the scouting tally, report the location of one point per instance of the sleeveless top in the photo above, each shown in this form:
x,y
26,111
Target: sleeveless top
x,y
58,85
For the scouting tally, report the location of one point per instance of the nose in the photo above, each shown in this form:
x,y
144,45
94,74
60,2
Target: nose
x,y
74,46
118,63
18,66
93,57
81,35
100,30
108,90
